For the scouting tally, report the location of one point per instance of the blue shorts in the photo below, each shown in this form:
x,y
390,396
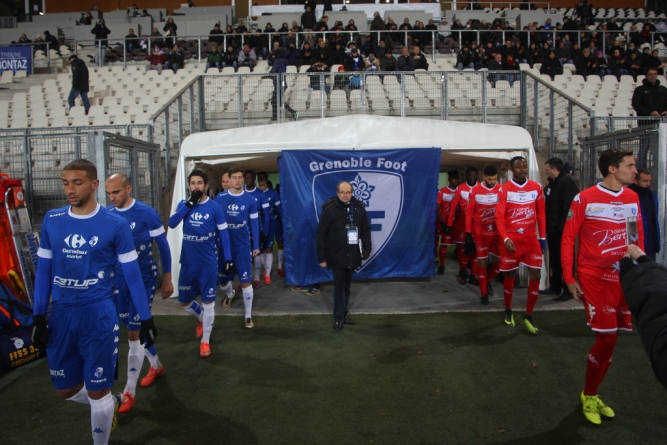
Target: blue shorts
x,y
268,240
279,230
83,345
242,259
197,279
124,303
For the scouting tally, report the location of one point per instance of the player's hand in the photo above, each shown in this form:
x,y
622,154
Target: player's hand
x,y
365,255
148,333
167,289
543,244
255,253
469,245
194,198
228,267
40,332
443,226
635,252
448,230
575,290
323,264
510,245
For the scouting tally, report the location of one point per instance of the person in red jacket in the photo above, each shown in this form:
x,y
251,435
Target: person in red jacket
x,y
157,59
599,216
519,213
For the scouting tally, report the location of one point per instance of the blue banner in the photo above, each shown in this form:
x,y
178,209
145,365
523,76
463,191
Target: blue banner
x,y
16,58
399,189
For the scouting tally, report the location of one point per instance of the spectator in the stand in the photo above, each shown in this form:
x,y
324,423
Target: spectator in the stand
x,y
144,13
601,65
156,59
569,25
216,35
509,64
405,61
322,52
420,59
406,24
260,44
650,98
635,35
308,20
649,207
275,53
337,54
312,4
551,66
156,37
295,27
269,28
465,58
548,24
214,59
546,49
585,13
169,29
176,59
79,82
327,6
230,58
23,39
612,25
456,28
86,19
654,61
390,21
388,62
101,33
617,64
575,51
616,46
635,66
241,28
519,52
291,54
645,35
420,36
371,63
506,48
631,49
284,28
563,53
322,25
377,24
306,55
354,62
191,5
315,81
584,64
131,40
534,54
52,41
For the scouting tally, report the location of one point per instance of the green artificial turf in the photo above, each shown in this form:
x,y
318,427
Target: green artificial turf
x,y
455,378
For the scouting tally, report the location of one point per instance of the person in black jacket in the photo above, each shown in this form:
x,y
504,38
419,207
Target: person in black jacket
x,y
101,33
170,31
79,82
648,202
175,60
343,241
648,99
551,66
558,195
644,287
216,35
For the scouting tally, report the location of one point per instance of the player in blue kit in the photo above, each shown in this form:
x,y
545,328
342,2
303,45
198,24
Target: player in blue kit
x,y
275,214
240,210
146,226
264,218
80,245
204,231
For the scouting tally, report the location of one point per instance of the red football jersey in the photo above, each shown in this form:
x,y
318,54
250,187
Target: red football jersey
x,y
460,203
445,198
520,208
481,212
598,215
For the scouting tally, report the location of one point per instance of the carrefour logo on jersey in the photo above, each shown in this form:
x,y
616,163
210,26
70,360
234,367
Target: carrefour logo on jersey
x,y
74,243
234,210
197,219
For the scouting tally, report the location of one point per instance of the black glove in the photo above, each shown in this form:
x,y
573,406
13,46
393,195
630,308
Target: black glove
x,y
194,198
448,230
228,267
443,226
365,255
148,333
40,332
469,245
262,238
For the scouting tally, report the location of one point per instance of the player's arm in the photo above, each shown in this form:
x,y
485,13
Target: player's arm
x,y
279,207
567,197
40,331
267,217
501,208
165,255
179,214
453,207
640,226
540,210
470,211
253,216
573,224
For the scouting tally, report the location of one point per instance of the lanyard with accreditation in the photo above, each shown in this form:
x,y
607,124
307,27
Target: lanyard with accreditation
x,y
352,230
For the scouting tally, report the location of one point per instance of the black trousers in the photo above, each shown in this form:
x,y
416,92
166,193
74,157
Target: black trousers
x,y
556,279
342,280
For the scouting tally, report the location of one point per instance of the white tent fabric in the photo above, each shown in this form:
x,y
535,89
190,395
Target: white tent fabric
x,y
458,140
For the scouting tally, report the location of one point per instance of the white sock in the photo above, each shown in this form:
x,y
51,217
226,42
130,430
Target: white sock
x,y
209,317
81,396
247,301
281,257
268,262
258,266
101,416
227,289
192,310
135,358
153,359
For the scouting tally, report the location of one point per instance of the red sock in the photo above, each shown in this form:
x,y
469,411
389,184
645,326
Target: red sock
x,y
599,359
508,290
533,293
463,259
443,254
495,270
481,277
473,267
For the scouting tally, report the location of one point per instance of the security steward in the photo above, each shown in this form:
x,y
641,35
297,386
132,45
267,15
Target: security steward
x,y
343,241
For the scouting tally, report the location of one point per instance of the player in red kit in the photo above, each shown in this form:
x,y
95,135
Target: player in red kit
x,y
481,231
456,225
445,198
519,212
598,216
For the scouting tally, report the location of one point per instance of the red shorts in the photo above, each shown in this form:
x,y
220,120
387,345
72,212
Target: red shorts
x,y
459,231
605,304
486,244
528,253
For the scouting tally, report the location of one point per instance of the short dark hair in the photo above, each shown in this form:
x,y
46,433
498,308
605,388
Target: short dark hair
x,y
198,172
612,157
642,171
234,170
453,174
471,170
83,165
556,163
252,172
265,174
516,158
490,170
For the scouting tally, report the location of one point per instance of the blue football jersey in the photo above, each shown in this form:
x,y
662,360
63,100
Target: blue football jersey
x,y
145,224
262,206
240,212
275,210
84,250
200,229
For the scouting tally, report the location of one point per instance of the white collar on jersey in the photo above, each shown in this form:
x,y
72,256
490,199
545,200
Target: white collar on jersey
x,y
125,209
234,194
520,185
199,203
90,215
251,190
484,185
606,190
